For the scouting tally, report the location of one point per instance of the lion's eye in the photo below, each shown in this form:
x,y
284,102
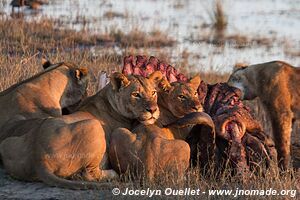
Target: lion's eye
x,y
235,79
153,93
196,93
181,97
136,95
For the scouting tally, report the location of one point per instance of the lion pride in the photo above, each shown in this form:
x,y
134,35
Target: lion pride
x,y
277,86
55,149
151,151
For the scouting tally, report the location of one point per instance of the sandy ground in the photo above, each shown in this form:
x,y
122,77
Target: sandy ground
x,y
13,189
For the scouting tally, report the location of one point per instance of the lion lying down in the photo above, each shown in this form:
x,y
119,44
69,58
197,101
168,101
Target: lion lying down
x,y
147,151
154,150
43,95
55,149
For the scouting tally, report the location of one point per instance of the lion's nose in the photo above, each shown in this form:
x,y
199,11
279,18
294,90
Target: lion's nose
x,y
151,109
197,108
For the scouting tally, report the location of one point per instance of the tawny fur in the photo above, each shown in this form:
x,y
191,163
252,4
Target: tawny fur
x,y
56,148
277,86
42,95
147,152
152,150
175,101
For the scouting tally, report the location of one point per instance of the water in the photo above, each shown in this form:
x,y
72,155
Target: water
x,y
187,21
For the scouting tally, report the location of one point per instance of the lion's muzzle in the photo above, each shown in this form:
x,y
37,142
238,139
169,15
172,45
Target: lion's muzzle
x,y
150,115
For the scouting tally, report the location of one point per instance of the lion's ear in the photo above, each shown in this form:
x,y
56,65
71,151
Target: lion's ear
x,y
46,63
164,85
156,77
81,72
195,81
239,66
118,80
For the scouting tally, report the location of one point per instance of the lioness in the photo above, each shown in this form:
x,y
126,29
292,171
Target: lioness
x,y
57,148
152,150
277,86
175,101
146,152
45,94
182,118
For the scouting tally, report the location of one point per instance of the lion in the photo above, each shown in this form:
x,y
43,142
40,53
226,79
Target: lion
x,y
276,85
176,100
43,95
151,151
146,152
182,117
55,149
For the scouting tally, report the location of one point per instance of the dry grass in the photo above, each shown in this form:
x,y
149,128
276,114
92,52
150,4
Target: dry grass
x,y
113,14
137,38
219,18
23,43
21,40
237,41
195,179
213,77
178,4
217,35
33,36
19,36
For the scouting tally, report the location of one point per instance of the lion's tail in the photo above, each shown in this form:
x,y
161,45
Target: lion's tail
x,y
55,181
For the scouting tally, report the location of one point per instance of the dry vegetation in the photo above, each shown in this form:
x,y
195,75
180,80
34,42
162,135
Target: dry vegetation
x,y
213,77
194,179
219,19
214,32
113,14
31,36
137,38
23,43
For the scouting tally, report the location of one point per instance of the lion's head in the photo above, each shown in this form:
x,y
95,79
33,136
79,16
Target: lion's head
x,y
77,82
241,78
181,98
135,97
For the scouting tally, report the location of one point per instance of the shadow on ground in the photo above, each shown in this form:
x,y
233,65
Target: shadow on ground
x,y
13,189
